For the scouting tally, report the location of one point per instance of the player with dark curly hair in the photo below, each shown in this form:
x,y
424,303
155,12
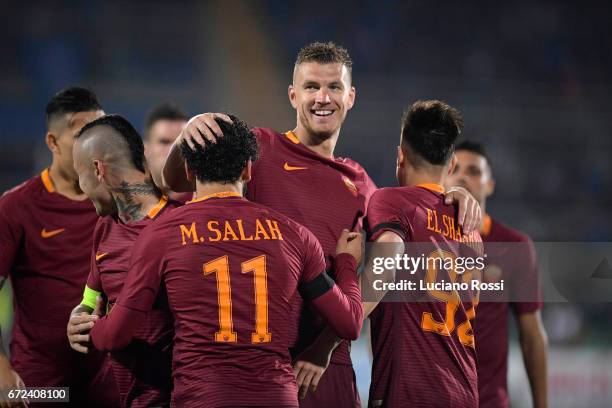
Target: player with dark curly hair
x,y
299,175
235,273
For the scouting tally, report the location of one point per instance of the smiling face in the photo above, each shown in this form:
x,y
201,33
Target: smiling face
x,y
321,94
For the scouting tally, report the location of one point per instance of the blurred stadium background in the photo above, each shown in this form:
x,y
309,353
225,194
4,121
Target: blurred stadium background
x,y
532,80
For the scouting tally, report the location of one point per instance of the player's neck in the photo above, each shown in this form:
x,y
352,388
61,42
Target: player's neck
x,y
135,196
324,147
415,179
209,189
64,185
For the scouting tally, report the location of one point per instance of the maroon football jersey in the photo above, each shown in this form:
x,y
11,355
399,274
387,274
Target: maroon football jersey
x,y
324,195
45,247
491,326
182,197
143,369
423,352
232,270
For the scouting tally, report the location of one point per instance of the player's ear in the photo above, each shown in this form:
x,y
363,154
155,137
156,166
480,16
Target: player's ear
x,y
99,170
352,94
400,157
246,173
292,96
188,173
51,141
453,163
490,187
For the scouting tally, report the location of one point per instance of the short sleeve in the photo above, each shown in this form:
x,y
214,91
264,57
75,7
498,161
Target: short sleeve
x,y
145,274
11,233
383,214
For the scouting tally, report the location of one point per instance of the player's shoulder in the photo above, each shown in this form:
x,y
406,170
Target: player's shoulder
x,y
401,197
352,163
22,192
105,222
266,135
502,232
170,206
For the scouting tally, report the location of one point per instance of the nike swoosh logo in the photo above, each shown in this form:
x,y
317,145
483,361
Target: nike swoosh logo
x,y
48,234
100,256
293,168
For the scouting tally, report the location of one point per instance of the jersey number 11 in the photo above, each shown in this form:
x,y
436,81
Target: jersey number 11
x,y
257,265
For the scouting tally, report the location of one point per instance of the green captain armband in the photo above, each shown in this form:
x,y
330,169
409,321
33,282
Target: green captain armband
x,y
89,297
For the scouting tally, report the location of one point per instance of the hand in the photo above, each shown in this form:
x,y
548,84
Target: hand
x,y
78,329
80,324
310,366
9,379
350,243
203,126
100,309
470,214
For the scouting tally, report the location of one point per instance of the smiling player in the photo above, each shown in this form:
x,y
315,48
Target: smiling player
x,y
299,176
234,272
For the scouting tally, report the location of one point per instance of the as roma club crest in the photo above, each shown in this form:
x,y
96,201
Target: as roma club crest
x,y
351,186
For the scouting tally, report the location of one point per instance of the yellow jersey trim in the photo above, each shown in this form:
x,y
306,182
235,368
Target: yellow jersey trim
x,y
222,194
291,136
155,210
46,179
432,186
487,224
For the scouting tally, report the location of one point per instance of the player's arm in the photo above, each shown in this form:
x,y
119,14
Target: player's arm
x,y
10,237
470,213
198,128
339,302
116,330
9,379
82,319
534,344
314,360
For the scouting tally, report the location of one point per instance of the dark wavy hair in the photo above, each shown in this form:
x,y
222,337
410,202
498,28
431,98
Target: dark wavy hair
x,y
224,160
431,128
71,100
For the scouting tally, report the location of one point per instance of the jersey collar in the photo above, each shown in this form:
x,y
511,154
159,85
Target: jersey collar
x,y
46,180
292,136
160,205
487,224
432,187
222,194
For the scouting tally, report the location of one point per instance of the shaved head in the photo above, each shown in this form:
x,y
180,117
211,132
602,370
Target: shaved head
x,y
106,144
109,155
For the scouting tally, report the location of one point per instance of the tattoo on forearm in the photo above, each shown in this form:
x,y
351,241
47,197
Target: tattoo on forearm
x,y
128,208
